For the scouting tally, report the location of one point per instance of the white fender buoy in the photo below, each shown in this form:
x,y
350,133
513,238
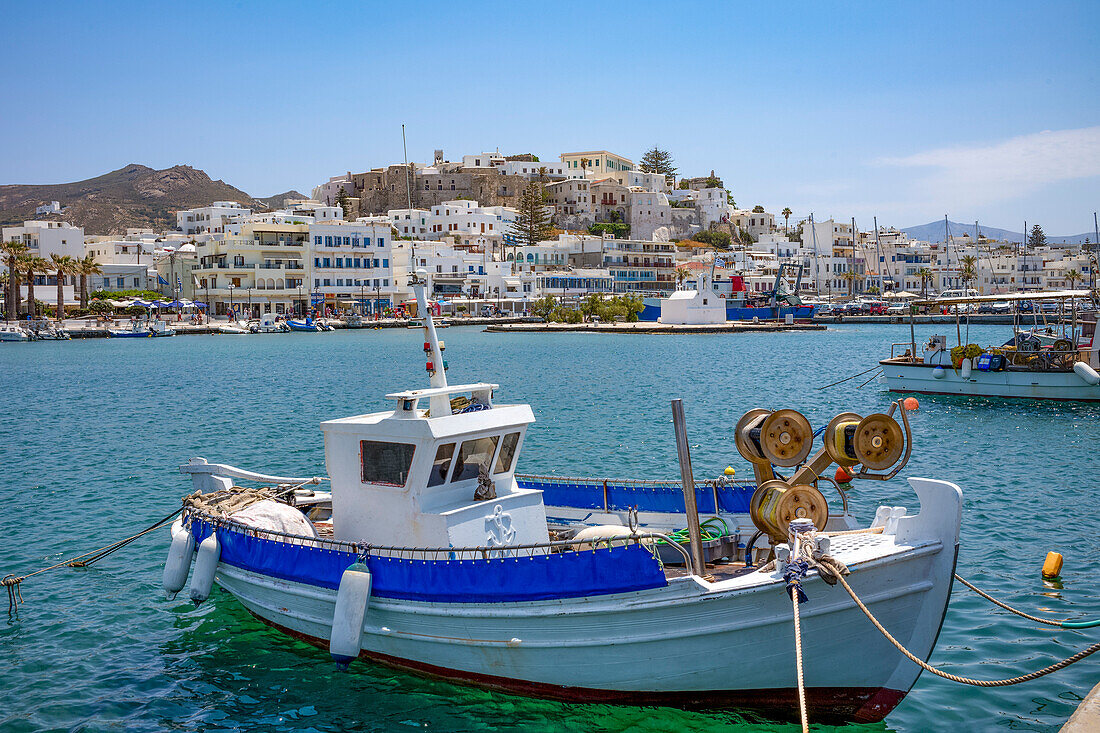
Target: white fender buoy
x,y
967,367
1087,373
180,554
938,373
352,597
206,564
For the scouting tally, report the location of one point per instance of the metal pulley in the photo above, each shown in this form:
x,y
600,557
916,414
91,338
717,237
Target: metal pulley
x,y
775,504
878,442
786,437
746,436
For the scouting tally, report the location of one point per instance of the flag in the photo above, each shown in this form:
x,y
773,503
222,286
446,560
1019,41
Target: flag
x,y
179,285
161,280
720,262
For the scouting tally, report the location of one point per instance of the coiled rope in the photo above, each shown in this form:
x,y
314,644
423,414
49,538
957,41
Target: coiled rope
x,y
794,588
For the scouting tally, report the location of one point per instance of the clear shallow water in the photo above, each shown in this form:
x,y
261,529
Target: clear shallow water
x,y
92,433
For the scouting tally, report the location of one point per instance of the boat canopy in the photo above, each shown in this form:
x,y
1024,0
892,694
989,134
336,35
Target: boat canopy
x,y
1037,295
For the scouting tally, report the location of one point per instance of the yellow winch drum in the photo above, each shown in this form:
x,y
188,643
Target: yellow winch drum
x,y
774,504
839,436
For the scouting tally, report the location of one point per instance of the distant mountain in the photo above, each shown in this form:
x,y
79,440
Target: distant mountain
x,y
277,201
933,232
134,196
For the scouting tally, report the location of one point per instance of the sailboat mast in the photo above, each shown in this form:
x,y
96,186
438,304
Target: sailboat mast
x,y
878,257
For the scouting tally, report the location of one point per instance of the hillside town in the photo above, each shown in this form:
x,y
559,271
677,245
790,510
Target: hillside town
x,y
506,231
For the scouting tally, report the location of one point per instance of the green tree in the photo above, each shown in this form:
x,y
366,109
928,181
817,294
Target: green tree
x,y
532,224
713,182
684,185
682,273
714,237
86,268
758,209
614,229
544,306
1036,238
1071,277
32,265
925,276
969,271
658,161
63,265
12,251
786,212
343,203
850,278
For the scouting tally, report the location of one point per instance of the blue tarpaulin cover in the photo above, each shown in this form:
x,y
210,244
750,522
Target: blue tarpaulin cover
x,y
496,580
731,499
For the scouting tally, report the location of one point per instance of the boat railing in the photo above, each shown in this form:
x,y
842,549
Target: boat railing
x,y
658,483
481,552
908,349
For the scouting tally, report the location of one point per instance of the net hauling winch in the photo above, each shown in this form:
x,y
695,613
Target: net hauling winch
x,y
783,438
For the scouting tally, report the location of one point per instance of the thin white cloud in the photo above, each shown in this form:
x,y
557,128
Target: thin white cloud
x,y
972,176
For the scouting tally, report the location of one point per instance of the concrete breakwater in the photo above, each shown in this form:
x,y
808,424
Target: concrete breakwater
x,y
651,327
87,331
997,319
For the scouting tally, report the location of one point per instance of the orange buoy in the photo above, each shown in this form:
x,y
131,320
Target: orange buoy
x,y
1052,566
911,403
842,476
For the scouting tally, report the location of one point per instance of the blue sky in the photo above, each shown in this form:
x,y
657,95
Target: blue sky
x,y
907,111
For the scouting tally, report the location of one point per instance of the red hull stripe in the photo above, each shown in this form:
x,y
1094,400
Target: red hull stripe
x,y
832,705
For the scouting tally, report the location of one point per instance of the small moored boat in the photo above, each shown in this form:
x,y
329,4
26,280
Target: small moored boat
x,y
430,554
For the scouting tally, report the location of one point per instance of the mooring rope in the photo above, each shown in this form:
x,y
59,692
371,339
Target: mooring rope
x,y
83,560
794,588
865,371
956,678
1047,621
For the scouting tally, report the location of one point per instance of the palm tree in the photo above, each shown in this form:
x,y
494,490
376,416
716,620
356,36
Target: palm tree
x,y
86,268
850,278
63,265
31,266
925,276
682,273
969,269
543,173
584,164
1071,277
12,250
786,212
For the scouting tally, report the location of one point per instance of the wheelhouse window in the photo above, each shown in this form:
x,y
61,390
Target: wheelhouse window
x,y
507,453
386,463
442,464
473,455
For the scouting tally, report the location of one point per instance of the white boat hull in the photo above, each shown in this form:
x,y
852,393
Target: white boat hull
x,y
691,643
901,377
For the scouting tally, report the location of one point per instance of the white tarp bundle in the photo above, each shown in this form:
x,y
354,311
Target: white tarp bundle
x,y
276,517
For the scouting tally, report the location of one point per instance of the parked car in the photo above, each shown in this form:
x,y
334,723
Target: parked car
x,y
874,307
1000,306
1050,306
1024,306
898,309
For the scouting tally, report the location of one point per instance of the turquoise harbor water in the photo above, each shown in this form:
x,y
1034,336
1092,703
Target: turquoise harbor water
x,y
92,433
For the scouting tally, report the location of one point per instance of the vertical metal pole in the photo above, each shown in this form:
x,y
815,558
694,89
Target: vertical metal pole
x,y
1095,249
690,509
408,199
878,258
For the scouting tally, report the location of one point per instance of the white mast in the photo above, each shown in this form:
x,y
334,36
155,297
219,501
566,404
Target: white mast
x,y
440,404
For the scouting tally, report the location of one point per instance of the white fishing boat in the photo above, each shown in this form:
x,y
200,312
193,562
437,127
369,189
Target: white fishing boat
x,y
9,332
428,553
1052,362
268,323
234,328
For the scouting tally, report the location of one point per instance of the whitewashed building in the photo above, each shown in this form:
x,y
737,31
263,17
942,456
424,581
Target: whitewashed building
x,y
212,219
357,263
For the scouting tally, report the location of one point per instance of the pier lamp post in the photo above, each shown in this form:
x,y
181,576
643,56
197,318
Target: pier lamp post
x,y
377,301
249,301
298,305
231,310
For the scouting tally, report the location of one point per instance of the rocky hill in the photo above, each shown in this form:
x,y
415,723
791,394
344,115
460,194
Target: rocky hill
x,y
277,201
934,232
134,196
